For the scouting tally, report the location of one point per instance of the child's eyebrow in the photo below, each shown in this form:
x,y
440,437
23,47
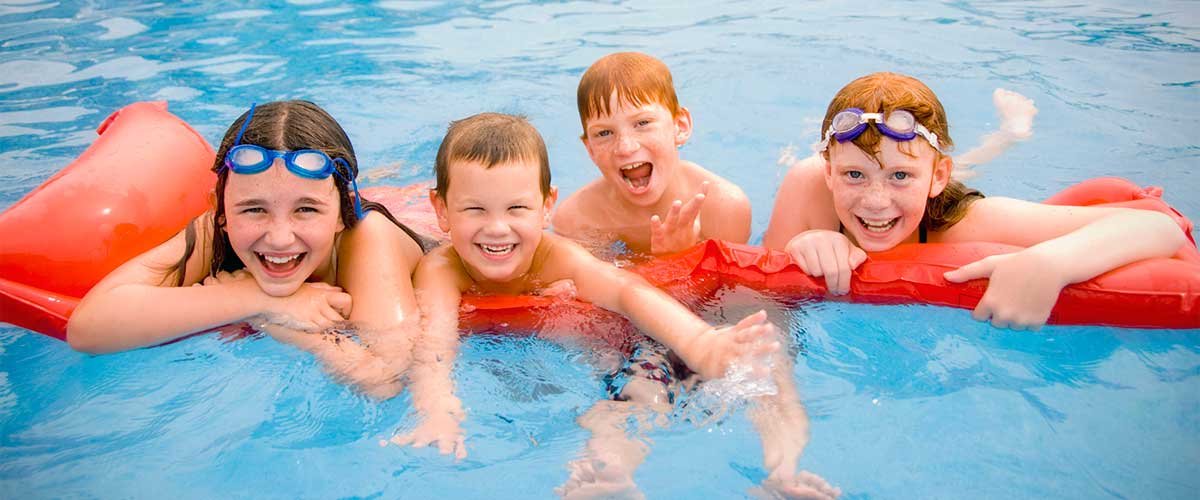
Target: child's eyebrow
x,y
305,200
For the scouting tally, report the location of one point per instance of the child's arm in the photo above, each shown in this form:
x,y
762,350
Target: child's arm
x,y
133,307
377,261
439,282
802,203
805,225
1065,245
707,350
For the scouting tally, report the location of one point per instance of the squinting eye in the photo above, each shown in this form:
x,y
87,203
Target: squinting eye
x,y
854,174
643,122
307,209
518,207
603,133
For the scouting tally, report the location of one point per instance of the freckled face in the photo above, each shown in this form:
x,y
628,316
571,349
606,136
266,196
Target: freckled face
x,y
636,148
282,226
882,205
495,217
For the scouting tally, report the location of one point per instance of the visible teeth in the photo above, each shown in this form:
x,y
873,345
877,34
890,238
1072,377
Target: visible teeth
x,y
280,260
497,249
878,226
632,166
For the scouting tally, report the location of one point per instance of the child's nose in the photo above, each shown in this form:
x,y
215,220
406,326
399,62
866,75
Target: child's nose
x,y
280,234
626,144
876,197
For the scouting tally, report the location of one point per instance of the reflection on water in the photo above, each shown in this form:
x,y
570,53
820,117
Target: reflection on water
x,y
906,401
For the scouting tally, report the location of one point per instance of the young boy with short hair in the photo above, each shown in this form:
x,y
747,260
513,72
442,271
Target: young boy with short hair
x,y
493,196
647,197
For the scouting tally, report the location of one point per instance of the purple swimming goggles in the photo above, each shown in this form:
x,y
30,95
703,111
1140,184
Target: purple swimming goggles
x,y
900,125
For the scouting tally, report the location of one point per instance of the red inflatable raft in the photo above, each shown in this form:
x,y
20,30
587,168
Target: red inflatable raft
x,y
149,173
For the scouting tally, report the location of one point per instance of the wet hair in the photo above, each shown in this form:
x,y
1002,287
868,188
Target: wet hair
x,y
638,79
491,139
285,126
885,92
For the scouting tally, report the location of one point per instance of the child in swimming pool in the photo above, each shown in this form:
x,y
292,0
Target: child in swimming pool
x,y
886,179
647,197
285,248
633,127
493,196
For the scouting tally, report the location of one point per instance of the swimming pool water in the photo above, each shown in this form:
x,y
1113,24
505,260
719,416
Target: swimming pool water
x,y
905,401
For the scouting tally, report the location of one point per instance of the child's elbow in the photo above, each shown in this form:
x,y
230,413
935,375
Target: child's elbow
x,y
82,337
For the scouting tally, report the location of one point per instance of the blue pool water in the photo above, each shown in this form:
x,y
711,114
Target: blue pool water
x,y
905,401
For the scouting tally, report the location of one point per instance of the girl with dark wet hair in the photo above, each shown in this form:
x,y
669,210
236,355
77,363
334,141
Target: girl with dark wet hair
x,y
286,246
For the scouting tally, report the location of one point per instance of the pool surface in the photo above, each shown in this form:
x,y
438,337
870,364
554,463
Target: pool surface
x,y
905,401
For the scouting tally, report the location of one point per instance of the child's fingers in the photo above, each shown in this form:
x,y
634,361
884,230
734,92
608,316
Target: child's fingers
x,y
833,266
692,208
979,269
342,303
673,214
752,319
857,257
812,261
461,448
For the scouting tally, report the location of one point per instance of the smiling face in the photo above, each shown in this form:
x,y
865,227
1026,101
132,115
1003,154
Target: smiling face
x,y
881,205
283,227
636,148
495,217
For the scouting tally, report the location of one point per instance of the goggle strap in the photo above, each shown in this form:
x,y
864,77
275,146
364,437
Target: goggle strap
x,y
242,130
358,211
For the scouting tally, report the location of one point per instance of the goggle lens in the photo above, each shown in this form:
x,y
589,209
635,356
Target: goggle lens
x,y
244,157
311,161
901,121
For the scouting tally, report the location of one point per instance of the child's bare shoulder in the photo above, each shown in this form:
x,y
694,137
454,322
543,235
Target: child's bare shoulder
x,y
581,214
724,197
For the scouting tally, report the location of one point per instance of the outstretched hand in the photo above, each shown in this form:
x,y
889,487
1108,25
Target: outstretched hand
x,y
1021,292
713,352
439,428
820,252
681,228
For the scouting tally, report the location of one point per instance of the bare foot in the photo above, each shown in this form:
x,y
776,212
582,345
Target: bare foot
x,y
803,484
1016,113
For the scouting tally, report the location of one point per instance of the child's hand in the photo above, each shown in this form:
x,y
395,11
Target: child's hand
x,y
440,428
314,307
1022,288
820,252
681,229
803,484
711,353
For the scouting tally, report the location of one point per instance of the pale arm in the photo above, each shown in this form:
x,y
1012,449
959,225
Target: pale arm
x,y
803,202
708,351
133,307
439,287
1067,245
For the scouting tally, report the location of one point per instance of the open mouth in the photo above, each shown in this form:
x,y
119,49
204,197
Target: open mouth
x,y
280,265
637,176
878,225
496,251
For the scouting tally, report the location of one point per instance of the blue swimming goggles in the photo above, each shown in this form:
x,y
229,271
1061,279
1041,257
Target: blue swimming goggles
x,y
900,125
307,163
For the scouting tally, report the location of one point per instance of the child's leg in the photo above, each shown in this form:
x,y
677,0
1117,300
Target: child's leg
x,y
782,424
643,389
